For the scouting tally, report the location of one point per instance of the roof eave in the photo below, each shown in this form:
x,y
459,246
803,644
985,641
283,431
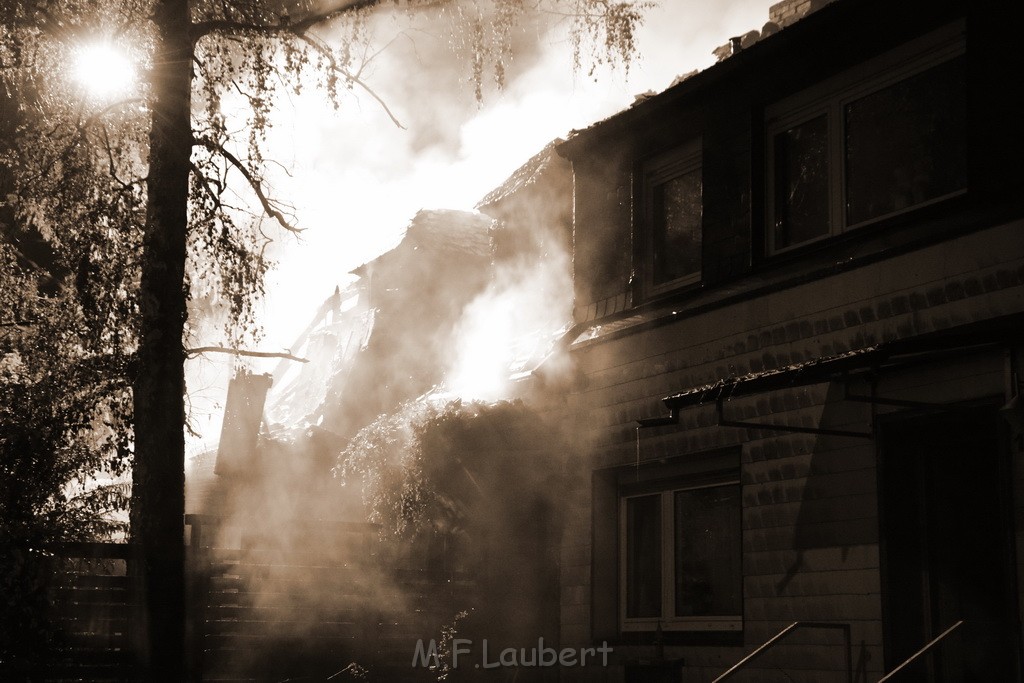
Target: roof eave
x,y
691,88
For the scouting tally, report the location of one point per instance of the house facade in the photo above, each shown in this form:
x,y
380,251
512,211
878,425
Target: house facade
x,y
799,287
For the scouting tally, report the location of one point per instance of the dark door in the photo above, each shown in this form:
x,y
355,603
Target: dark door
x,y
947,546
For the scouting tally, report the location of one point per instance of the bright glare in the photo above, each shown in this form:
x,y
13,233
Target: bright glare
x,y
104,71
484,351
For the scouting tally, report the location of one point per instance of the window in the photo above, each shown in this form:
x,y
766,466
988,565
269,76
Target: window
x,y
673,218
681,557
875,142
801,177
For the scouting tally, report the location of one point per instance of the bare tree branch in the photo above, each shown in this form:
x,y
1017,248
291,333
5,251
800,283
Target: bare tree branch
x,y
254,182
109,108
243,352
354,78
82,130
215,197
126,185
297,28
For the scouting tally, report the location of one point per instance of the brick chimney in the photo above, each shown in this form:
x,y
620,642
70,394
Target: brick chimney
x,y
780,15
788,11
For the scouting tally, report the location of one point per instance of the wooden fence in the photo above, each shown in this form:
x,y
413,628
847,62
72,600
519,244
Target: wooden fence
x,y
261,608
94,604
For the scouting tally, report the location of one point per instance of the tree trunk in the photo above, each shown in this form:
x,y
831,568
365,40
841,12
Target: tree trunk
x,y
158,480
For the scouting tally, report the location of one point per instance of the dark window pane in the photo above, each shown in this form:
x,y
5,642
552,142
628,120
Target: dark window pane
x,y
801,183
906,144
709,574
677,227
643,556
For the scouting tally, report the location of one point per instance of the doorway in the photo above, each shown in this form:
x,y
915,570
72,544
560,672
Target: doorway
x,y
947,549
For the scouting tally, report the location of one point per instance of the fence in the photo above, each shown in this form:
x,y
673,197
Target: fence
x,y
264,608
94,603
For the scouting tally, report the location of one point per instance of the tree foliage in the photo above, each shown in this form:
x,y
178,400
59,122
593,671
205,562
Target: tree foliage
x,y
66,348
64,447
65,429
388,461
434,464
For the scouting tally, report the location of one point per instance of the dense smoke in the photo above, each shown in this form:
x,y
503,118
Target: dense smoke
x,y
355,179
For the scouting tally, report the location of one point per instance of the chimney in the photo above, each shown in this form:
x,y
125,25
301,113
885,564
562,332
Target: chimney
x,y
789,11
243,415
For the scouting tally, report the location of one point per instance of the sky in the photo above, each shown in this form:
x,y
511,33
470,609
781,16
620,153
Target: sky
x,y
355,179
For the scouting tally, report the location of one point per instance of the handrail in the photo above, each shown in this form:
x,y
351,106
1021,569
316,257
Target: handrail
x,y
910,660
786,631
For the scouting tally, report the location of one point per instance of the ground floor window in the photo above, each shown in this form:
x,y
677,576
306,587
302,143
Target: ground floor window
x,y
680,554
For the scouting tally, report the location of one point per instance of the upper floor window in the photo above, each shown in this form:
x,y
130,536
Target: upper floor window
x,y
672,195
882,139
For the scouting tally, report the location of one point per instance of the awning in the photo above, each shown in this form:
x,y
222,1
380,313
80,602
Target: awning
x,y
877,359
813,371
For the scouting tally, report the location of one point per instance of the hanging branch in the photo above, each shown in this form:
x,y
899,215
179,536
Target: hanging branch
x,y
252,180
242,352
298,27
328,54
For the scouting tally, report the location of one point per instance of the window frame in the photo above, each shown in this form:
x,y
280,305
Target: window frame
x,y
667,620
658,170
830,98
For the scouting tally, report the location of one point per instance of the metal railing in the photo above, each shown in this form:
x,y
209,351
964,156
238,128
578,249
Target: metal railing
x,y
768,644
914,657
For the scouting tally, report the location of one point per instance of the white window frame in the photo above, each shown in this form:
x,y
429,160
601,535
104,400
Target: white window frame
x,y
676,162
667,621
830,98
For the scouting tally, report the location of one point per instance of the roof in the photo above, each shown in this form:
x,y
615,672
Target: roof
x,y
524,176
732,56
465,232
446,229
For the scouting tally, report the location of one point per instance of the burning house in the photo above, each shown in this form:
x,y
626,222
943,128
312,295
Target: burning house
x,y
799,281
392,482
785,409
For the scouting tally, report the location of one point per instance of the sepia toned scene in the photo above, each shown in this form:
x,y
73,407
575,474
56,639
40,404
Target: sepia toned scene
x,y
568,341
